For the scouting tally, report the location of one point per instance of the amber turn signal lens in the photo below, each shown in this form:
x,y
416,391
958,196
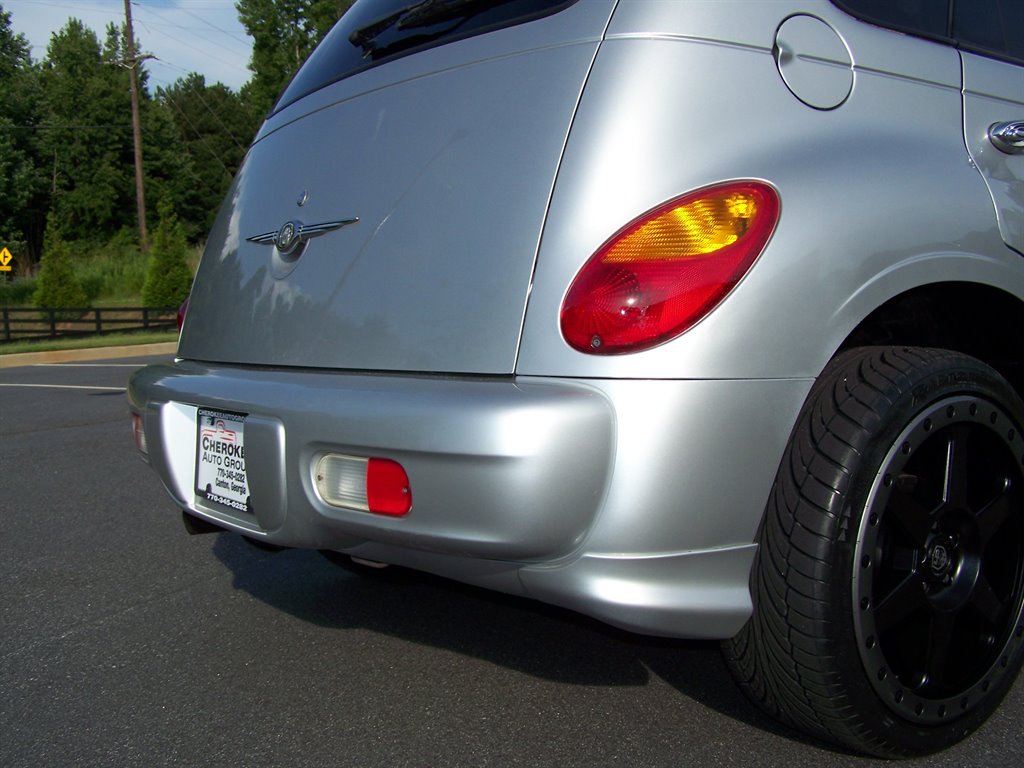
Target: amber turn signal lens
x,y
667,269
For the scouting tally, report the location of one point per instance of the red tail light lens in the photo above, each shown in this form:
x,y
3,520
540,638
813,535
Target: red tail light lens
x,y
666,270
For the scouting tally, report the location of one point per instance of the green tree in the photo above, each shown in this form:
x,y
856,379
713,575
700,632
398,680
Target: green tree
x,y
284,32
57,285
214,128
168,278
88,137
169,169
87,134
23,198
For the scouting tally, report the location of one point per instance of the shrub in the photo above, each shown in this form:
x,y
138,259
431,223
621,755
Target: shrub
x,y
17,292
168,277
115,270
57,285
92,286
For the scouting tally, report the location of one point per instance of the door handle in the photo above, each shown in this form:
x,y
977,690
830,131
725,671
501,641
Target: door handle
x,y
1008,137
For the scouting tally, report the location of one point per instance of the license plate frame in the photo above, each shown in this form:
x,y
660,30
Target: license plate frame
x,y
221,477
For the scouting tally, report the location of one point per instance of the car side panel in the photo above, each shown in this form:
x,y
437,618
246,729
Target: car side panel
x,y
876,195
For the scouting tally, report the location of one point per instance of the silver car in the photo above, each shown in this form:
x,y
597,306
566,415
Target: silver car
x,y
701,318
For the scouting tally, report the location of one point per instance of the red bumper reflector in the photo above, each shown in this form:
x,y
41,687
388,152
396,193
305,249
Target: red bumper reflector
x,y
387,488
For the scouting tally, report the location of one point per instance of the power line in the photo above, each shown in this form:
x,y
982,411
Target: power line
x,y
187,44
169,22
214,26
199,135
216,47
220,122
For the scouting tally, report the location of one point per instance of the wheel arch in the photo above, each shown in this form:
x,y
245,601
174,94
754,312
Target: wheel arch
x,y
975,319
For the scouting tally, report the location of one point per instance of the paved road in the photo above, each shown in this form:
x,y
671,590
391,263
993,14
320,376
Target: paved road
x,y
125,642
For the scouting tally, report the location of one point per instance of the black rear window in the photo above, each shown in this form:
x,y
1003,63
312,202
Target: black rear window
x,y
374,31
919,17
989,27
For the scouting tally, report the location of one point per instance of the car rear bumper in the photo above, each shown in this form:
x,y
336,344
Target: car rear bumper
x,y
632,501
498,469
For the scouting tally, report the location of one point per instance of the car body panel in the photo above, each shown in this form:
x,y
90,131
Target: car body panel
x,y
484,174
534,473
824,164
480,455
434,275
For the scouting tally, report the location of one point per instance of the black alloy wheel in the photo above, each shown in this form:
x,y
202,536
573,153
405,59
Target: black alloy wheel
x,y
939,561
888,587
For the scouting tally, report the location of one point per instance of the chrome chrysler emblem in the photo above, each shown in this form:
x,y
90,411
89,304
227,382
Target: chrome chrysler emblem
x,y
292,235
939,559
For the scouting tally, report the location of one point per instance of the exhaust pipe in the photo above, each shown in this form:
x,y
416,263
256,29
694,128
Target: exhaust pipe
x,y
195,525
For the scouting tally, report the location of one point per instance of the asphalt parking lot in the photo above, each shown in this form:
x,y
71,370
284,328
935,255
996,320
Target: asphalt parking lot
x,y
124,641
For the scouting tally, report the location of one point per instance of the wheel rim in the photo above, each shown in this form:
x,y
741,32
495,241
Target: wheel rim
x,y
939,562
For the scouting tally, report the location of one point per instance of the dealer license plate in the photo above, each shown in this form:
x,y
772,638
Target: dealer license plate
x,y
220,459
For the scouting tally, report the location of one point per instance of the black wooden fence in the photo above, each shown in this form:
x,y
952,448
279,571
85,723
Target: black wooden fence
x,y
22,324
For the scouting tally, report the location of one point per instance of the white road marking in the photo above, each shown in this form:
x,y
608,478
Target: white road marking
x,y
65,386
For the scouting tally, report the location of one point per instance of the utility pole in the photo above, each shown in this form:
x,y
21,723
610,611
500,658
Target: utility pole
x,y
132,62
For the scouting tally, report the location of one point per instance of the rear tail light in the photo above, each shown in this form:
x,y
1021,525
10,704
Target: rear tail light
x,y
139,432
666,270
380,486
182,311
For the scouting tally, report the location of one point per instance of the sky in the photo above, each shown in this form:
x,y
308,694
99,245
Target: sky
x,y
185,36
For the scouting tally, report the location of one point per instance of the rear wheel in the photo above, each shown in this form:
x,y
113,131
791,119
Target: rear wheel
x,y
889,581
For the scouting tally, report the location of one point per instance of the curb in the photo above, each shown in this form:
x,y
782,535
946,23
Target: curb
x,y
96,353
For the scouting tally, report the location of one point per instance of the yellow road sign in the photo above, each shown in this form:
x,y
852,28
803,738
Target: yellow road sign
x,y
5,260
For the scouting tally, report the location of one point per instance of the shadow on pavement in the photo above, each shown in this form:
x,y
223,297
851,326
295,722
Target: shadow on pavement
x,y
516,633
